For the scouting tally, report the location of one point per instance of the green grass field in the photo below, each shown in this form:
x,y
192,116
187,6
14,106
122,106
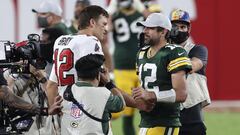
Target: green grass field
x,y
217,124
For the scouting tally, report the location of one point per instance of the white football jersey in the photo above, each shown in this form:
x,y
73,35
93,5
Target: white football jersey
x,y
67,50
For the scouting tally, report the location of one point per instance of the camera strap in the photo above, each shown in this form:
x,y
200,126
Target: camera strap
x,y
68,95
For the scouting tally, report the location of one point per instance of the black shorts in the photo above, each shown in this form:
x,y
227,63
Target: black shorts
x,y
193,129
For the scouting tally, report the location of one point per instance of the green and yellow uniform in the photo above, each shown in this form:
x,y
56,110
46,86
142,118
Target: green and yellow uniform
x,y
125,37
155,73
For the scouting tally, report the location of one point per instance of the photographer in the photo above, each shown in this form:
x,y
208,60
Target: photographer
x,y
99,102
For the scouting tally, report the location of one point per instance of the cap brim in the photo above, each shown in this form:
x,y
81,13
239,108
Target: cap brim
x,y
145,24
140,24
34,11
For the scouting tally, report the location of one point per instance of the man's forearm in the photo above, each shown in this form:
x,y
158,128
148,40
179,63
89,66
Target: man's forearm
x,y
52,91
14,101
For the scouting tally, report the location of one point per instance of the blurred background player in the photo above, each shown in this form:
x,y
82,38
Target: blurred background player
x,y
125,34
198,96
152,6
137,4
79,6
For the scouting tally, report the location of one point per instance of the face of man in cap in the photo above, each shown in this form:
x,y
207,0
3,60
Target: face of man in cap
x,y
152,35
47,13
44,19
156,27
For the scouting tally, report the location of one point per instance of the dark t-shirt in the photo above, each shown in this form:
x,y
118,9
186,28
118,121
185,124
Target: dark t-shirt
x,y
200,52
194,114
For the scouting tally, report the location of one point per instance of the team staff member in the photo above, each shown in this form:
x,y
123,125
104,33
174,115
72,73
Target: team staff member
x,y
162,69
125,37
49,15
198,96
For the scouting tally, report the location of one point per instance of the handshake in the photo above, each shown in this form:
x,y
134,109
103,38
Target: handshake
x,y
144,100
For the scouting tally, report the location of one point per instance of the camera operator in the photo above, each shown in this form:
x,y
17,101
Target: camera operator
x,y
12,100
9,98
48,37
31,87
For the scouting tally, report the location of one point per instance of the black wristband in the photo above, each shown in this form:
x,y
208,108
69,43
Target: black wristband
x,y
110,85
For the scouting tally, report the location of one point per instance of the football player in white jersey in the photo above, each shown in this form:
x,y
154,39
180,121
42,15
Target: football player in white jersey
x,y
69,48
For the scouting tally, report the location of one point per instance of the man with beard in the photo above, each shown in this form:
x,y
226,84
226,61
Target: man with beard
x,y
198,96
162,69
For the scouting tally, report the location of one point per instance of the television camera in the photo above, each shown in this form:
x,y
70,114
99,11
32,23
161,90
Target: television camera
x,y
18,56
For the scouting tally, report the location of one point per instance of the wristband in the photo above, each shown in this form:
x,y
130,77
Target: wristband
x,y
110,85
167,96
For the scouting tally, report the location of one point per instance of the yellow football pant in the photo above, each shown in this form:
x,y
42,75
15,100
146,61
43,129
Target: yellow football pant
x,y
125,80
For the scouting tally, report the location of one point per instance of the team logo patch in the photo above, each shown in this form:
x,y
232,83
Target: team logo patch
x,y
75,111
141,54
74,124
97,48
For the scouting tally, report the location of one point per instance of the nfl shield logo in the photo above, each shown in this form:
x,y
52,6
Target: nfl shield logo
x,y
75,111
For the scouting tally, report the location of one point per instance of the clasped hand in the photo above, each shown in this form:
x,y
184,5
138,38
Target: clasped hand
x,y
145,100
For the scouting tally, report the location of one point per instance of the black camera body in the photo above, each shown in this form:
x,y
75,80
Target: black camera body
x,y
18,56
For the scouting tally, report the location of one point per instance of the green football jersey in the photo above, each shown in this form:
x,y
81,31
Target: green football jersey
x,y
155,73
125,37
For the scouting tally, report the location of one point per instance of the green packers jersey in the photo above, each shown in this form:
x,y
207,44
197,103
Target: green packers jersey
x,y
155,73
125,37
62,27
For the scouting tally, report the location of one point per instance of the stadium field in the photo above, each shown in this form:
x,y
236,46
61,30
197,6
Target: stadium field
x,y
218,123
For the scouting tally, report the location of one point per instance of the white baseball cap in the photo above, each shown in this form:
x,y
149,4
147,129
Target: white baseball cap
x,y
49,6
157,20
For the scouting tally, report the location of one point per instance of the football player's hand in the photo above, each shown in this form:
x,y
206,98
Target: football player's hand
x,y
140,93
143,99
144,105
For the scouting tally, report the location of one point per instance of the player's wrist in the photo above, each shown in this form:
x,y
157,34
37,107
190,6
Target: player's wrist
x,y
110,85
168,96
